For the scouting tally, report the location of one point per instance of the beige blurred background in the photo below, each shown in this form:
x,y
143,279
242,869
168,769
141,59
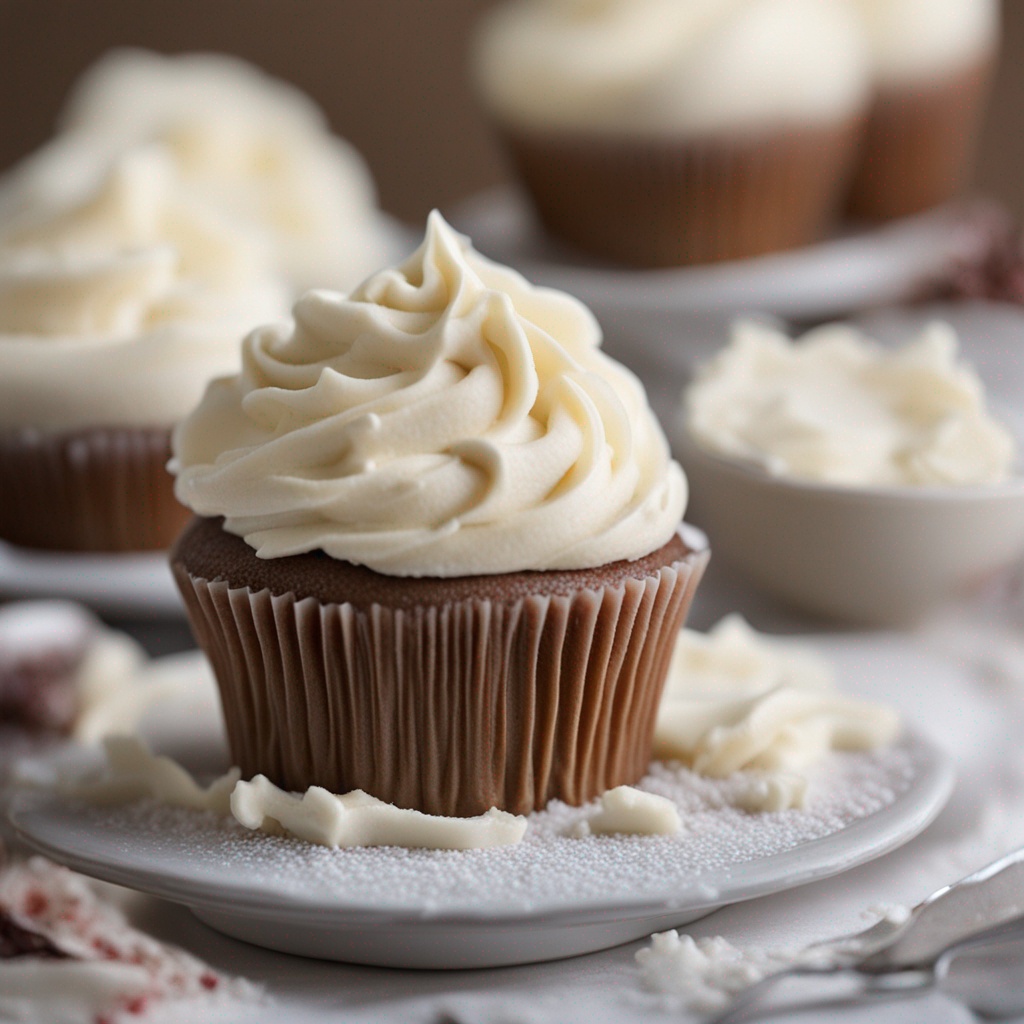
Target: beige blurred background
x,y
391,75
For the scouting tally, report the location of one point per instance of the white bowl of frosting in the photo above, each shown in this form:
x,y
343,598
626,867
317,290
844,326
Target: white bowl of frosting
x,y
849,480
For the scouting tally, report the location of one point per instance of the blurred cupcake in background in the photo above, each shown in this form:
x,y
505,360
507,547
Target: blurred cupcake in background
x,y
659,133
932,63
117,305
248,144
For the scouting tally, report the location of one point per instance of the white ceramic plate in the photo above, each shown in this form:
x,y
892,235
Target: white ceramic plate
x,y
133,585
308,900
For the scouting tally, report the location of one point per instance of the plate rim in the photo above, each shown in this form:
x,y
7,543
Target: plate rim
x,y
868,253
135,583
899,822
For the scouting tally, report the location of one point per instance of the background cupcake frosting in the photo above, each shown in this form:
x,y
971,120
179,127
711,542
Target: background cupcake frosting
x,y
445,419
118,307
918,40
659,66
253,146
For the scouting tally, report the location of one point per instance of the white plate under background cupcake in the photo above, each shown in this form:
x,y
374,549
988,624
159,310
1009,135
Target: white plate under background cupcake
x,y
860,267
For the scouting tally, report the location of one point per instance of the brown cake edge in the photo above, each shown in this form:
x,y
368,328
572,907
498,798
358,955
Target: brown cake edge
x,y
206,551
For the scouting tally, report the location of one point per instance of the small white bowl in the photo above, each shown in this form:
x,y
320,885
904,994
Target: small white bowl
x,y
881,556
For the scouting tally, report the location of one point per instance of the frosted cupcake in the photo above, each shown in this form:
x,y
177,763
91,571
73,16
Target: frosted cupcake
x,y
116,309
250,145
439,554
658,133
932,65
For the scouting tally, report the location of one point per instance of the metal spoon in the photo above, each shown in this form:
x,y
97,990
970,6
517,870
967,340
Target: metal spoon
x,y
985,907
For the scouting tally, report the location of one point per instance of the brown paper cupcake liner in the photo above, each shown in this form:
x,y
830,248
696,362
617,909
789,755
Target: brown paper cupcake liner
x,y
100,489
450,708
661,202
918,145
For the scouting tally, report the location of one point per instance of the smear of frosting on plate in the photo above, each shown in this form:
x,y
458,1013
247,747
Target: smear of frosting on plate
x,y
737,700
132,772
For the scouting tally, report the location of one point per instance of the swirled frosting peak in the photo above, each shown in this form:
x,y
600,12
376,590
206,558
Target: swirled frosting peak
x,y
445,419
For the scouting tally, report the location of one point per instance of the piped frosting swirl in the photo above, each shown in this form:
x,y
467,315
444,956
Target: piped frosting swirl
x,y
445,419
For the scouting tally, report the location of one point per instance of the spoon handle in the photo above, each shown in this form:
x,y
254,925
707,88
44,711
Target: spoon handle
x,y
742,1002
988,901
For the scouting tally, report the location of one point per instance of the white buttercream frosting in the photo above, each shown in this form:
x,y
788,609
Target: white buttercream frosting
x,y
913,41
736,700
626,810
133,772
835,407
445,419
252,146
761,792
358,819
110,699
666,67
121,691
116,309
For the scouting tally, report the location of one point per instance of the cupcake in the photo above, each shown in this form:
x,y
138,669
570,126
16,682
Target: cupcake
x,y
660,133
254,147
933,63
116,308
438,552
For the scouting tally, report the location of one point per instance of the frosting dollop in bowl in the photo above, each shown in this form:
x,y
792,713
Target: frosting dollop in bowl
x,y
852,482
